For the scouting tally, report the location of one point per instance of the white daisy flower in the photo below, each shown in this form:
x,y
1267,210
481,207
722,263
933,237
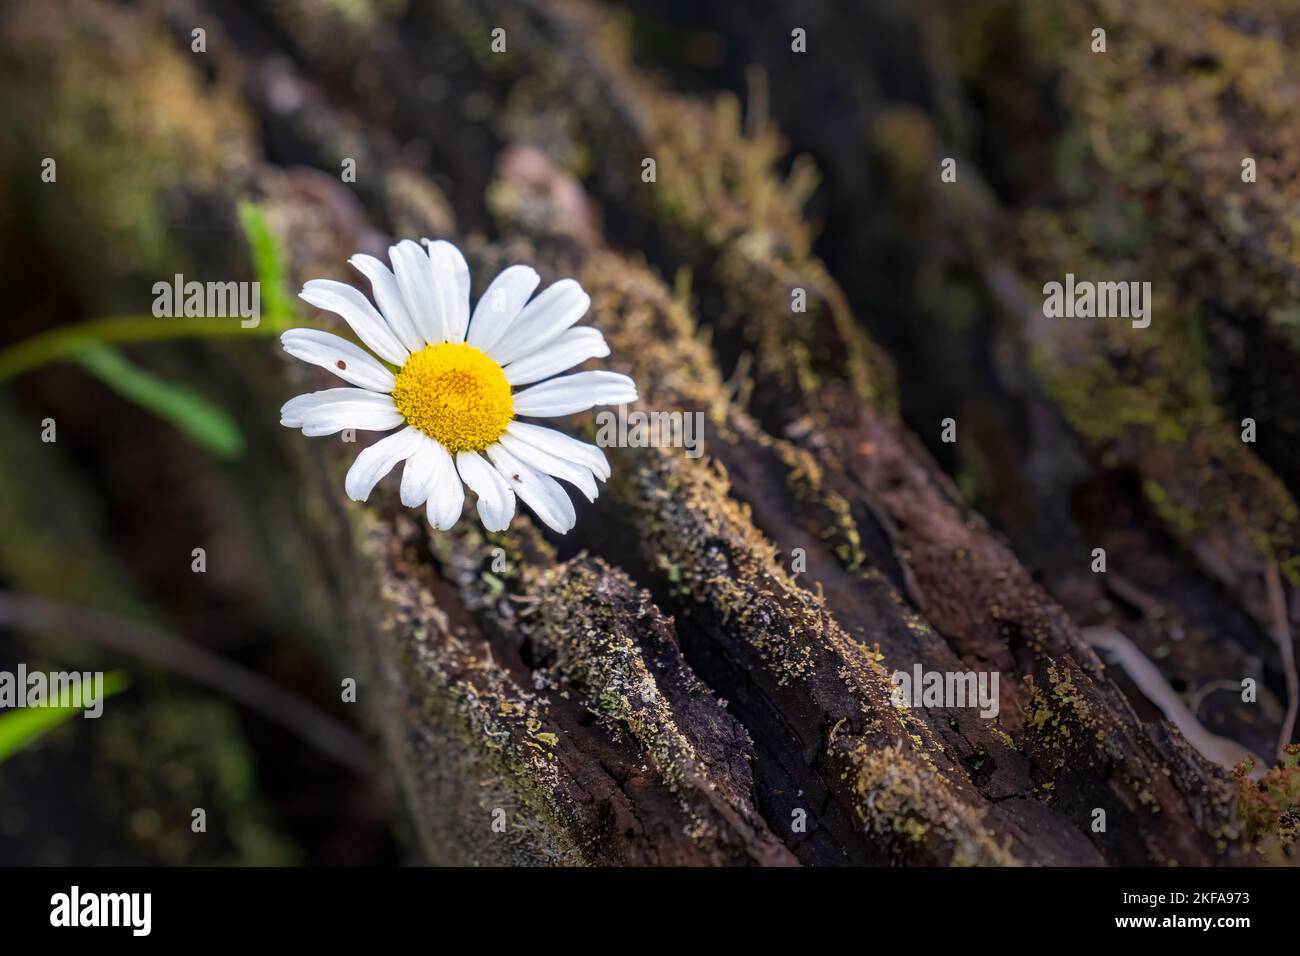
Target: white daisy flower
x,y
446,385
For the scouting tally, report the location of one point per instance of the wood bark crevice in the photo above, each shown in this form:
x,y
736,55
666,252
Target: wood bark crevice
x,y
668,684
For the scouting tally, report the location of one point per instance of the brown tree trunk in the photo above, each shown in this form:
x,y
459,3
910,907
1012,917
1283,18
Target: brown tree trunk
x,y
701,672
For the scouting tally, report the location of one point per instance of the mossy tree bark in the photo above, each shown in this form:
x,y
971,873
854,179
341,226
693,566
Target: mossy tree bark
x,y
667,685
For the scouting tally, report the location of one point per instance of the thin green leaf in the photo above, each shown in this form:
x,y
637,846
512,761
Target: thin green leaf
x,y
63,342
268,264
22,727
203,422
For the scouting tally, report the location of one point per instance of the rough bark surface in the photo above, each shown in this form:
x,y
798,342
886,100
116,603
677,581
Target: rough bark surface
x,y
667,685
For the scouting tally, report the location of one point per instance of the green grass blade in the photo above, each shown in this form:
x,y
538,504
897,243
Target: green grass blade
x,y
63,342
203,422
268,265
21,727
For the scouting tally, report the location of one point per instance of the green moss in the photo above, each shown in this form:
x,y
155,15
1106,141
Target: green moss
x,y
156,127
1143,400
1270,807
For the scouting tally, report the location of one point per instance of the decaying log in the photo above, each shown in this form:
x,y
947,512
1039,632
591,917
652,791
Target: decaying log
x,y
700,673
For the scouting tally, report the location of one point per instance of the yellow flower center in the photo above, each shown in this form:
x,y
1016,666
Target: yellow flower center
x,y
456,395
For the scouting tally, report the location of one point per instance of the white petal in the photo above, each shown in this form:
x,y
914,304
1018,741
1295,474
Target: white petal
x,y
389,297
500,305
352,304
340,356
447,494
451,284
334,420
415,279
292,412
572,347
542,321
378,460
575,393
333,410
561,446
496,502
540,492
573,472
420,470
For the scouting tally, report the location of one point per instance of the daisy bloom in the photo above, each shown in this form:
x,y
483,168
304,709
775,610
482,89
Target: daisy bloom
x,y
444,383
